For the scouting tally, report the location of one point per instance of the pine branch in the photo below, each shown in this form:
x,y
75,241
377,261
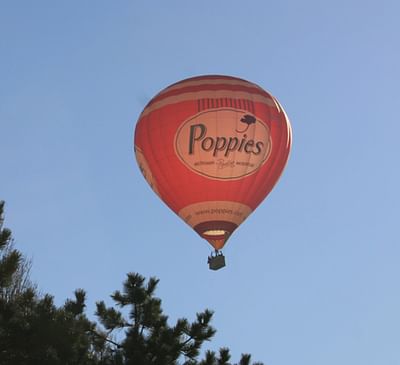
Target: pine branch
x,y
105,338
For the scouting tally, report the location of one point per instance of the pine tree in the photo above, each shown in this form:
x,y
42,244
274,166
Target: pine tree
x,y
10,258
33,330
14,267
149,339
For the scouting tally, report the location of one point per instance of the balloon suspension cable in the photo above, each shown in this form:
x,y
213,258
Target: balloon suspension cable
x,y
216,260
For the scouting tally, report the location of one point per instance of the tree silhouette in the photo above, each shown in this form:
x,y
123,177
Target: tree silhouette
x,y
33,330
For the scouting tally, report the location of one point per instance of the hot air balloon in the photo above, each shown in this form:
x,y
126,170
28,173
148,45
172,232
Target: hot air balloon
x,y
212,148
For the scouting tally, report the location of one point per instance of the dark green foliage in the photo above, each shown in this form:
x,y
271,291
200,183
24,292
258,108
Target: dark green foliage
x,y
9,258
14,267
34,331
148,337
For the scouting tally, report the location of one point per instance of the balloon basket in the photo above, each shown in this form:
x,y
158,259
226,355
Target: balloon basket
x,y
216,261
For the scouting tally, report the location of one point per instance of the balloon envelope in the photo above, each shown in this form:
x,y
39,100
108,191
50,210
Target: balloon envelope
x,y
212,148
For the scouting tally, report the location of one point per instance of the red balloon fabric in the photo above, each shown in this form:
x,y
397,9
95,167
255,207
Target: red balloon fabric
x,y
212,148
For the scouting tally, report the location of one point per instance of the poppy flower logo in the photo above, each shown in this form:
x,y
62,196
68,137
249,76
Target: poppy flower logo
x,y
247,119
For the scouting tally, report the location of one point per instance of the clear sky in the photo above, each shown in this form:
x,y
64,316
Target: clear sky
x,y
313,274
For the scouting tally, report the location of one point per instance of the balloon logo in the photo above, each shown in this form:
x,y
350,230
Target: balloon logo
x,y
212,148
247,119
226,156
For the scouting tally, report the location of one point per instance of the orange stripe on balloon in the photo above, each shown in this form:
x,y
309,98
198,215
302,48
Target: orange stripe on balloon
x,y
205,95
211,88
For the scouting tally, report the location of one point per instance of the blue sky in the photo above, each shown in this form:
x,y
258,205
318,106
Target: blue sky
x,y
313,274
